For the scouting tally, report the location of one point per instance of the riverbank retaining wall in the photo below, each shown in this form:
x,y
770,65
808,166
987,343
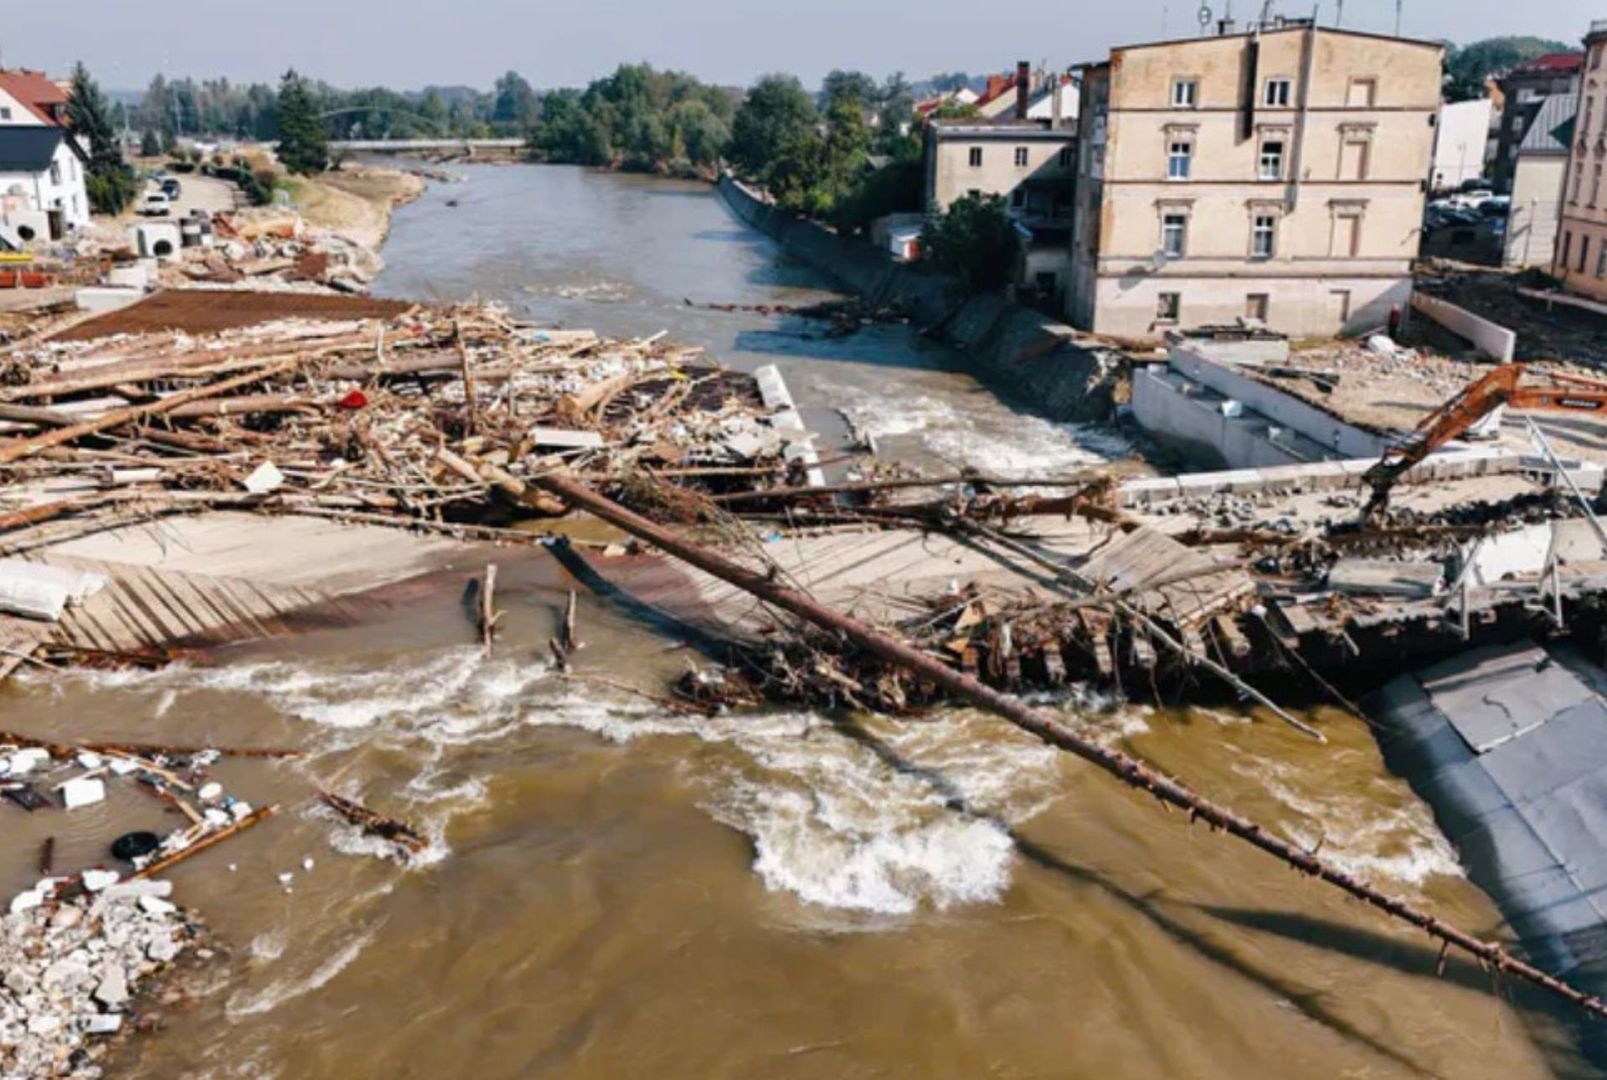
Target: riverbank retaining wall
x,y
1031,359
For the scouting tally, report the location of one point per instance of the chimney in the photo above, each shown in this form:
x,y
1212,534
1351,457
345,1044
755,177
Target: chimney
x,y
1057,96
1023,88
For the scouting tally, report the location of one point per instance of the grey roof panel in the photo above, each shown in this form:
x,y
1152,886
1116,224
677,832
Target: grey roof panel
x,y
28,148
1565,748
1493,694
1551,130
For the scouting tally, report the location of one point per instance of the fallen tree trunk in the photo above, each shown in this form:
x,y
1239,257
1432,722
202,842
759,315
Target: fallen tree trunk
x,y
1046,726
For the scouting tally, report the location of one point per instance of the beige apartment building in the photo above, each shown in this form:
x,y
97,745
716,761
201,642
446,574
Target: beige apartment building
x,y
1276,174
1581,252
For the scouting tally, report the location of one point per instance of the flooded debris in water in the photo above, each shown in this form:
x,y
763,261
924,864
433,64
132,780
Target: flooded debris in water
x,y
1047,726
407,840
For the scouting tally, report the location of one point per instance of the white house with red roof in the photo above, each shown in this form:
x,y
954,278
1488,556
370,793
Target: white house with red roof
x,y
42,164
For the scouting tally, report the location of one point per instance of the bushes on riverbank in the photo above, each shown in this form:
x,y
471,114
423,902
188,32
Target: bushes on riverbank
x,y
637,119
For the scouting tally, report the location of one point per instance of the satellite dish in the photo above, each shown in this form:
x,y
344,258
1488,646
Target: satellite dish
x,y
1206,15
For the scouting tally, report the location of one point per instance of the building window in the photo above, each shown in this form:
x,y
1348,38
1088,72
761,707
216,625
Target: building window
x,y
1021,157
1168,307
55,172
1065,157
1595,186
1353,159
1272,160
1363,93
5,112
1264,236
1567,244
1347,235
1185,93
976,157
1174,235
1579,182
1584,252
1179,160
1276,94
1601,261
1255,306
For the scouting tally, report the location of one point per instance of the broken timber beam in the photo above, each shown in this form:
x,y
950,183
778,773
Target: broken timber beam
x,y
1129,770
17,449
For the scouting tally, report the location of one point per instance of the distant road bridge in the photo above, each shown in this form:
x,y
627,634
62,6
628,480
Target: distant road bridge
x,y
406,146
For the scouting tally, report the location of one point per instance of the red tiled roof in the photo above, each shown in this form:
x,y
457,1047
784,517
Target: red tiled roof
x,y
34,91
998,86
1559,63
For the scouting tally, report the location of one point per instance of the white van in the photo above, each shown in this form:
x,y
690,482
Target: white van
x,y
155,204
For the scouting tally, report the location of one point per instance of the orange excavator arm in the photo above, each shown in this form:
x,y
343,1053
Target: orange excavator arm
x,y
1473,403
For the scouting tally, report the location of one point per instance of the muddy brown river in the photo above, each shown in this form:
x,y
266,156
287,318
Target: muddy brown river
x,y
614,891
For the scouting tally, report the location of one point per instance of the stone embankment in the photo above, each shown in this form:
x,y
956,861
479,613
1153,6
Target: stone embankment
x,y
1025,355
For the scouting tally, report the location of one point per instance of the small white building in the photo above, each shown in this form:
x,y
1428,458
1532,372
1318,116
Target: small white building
x,y
1538,173
1461,139
42,192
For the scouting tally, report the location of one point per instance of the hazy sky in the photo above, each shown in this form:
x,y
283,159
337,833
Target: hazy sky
x,y
412,43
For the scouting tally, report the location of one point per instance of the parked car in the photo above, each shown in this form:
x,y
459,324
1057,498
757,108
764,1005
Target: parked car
x,y
1496,206
171,187
155,204
1472,199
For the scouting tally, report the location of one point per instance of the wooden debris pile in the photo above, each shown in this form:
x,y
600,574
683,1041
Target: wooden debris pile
x,y
435,417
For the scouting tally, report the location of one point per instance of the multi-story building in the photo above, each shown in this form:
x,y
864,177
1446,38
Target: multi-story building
x,y
1275,174
1581,254
1524,90
1030,163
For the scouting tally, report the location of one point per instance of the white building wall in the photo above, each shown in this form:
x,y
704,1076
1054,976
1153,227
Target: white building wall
x,y
1536,210
14,112
27,198
1461,138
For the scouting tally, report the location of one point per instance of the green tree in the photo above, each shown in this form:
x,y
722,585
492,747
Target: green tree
x,y
516,103
896,188
777,114
974,242
796,175
703,134
150,143
109,182
956,110
1466,69
303,143
849,86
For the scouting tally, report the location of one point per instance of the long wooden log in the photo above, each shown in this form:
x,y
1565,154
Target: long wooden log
x,y
1125,768
17,449
865,486
211,840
